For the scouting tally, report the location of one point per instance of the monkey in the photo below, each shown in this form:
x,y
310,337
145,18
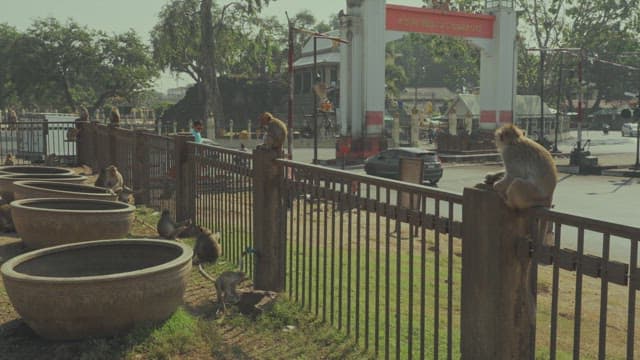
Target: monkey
x,y
226,285
6,221
530,174
110,178
207,247
115,117
12,119
169,229
275,132
9,160
72,134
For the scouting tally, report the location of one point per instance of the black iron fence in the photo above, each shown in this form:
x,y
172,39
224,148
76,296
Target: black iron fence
x,y
407,271
37,142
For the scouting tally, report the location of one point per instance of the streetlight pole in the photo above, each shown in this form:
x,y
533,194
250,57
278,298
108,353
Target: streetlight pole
x,y
541,123
555,140
315,101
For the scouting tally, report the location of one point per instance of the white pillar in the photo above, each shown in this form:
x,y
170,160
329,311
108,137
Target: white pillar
x,y
498,69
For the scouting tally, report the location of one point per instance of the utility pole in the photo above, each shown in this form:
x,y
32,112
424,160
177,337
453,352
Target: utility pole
x,y
555,140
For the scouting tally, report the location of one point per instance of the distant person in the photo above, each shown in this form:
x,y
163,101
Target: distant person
x,y
196,131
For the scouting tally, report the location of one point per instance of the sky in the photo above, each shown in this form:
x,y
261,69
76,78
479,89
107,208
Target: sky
x,y
117,16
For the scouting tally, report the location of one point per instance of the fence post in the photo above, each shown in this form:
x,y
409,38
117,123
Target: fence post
x,y
498,299
268,224
185,178
141,168
113,146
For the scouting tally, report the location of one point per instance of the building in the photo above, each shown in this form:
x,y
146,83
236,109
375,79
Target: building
x,y
465,110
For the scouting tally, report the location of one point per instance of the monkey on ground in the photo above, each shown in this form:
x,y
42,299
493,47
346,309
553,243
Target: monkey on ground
x,y
9,160
110,178
529,177
226,285
169,229
207,247
275,132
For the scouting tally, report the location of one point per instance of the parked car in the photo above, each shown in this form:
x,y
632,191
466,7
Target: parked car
x,y
387,163
630,129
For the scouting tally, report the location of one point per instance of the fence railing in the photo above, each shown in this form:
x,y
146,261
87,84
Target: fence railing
x,y
37,142
407,271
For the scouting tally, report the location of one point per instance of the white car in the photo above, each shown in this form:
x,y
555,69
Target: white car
x,y
630,129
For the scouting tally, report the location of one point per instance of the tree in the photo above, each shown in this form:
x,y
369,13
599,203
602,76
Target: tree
x,y
189,37
8,36
125,69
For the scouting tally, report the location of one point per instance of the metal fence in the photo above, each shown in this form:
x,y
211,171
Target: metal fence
x,y
32,142
588,254
224,197
376,258
382,260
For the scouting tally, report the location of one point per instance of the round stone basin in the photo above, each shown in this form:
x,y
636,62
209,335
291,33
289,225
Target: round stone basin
x,y
97,288
41,189
44,222
29,169
7,187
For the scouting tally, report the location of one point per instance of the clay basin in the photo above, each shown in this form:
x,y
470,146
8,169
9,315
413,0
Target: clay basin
x,y
44,222
7,188
30,169
97,288
41,189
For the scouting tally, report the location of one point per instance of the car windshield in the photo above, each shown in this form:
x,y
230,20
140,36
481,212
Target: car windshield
x,y
429,157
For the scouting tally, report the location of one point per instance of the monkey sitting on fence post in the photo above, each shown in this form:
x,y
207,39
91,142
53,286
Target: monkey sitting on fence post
x,y
529,177
275,132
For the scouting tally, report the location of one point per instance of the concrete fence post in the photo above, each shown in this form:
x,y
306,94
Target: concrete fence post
x,y
498,298
113,146
268,224
185,178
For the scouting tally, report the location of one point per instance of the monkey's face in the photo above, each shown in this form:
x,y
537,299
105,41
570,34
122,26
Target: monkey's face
x,y
506,135
264,119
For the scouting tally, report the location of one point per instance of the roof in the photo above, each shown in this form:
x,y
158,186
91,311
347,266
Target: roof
x,y
322,45
427,93
326,58
526,105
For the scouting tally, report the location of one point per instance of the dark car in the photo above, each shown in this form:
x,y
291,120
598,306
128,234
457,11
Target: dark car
x,y
387,163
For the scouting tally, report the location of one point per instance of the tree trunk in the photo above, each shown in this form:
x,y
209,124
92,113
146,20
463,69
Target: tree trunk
x,y
211,99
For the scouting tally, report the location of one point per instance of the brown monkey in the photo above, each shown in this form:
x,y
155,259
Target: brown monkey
x,y
226,285
115,117
169,229
275,132
9,160
207,247
110,178
530,174
72,134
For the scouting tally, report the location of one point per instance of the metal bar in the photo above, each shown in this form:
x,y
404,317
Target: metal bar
x,y
311,202
349,255
604,293
633,271
317,269
358,245
340,258
377,280
367,272
304,244
450,288
423,281
577,313
387,285
398,285
412,227
324,258
436,285
333,253
298,295
555,293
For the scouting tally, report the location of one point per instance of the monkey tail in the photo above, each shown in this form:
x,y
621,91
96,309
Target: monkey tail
x,y
205,274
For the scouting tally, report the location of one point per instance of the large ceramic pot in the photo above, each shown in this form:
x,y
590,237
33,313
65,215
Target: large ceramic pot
x,y
33,169
97,288
7,188
44,222
44,189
